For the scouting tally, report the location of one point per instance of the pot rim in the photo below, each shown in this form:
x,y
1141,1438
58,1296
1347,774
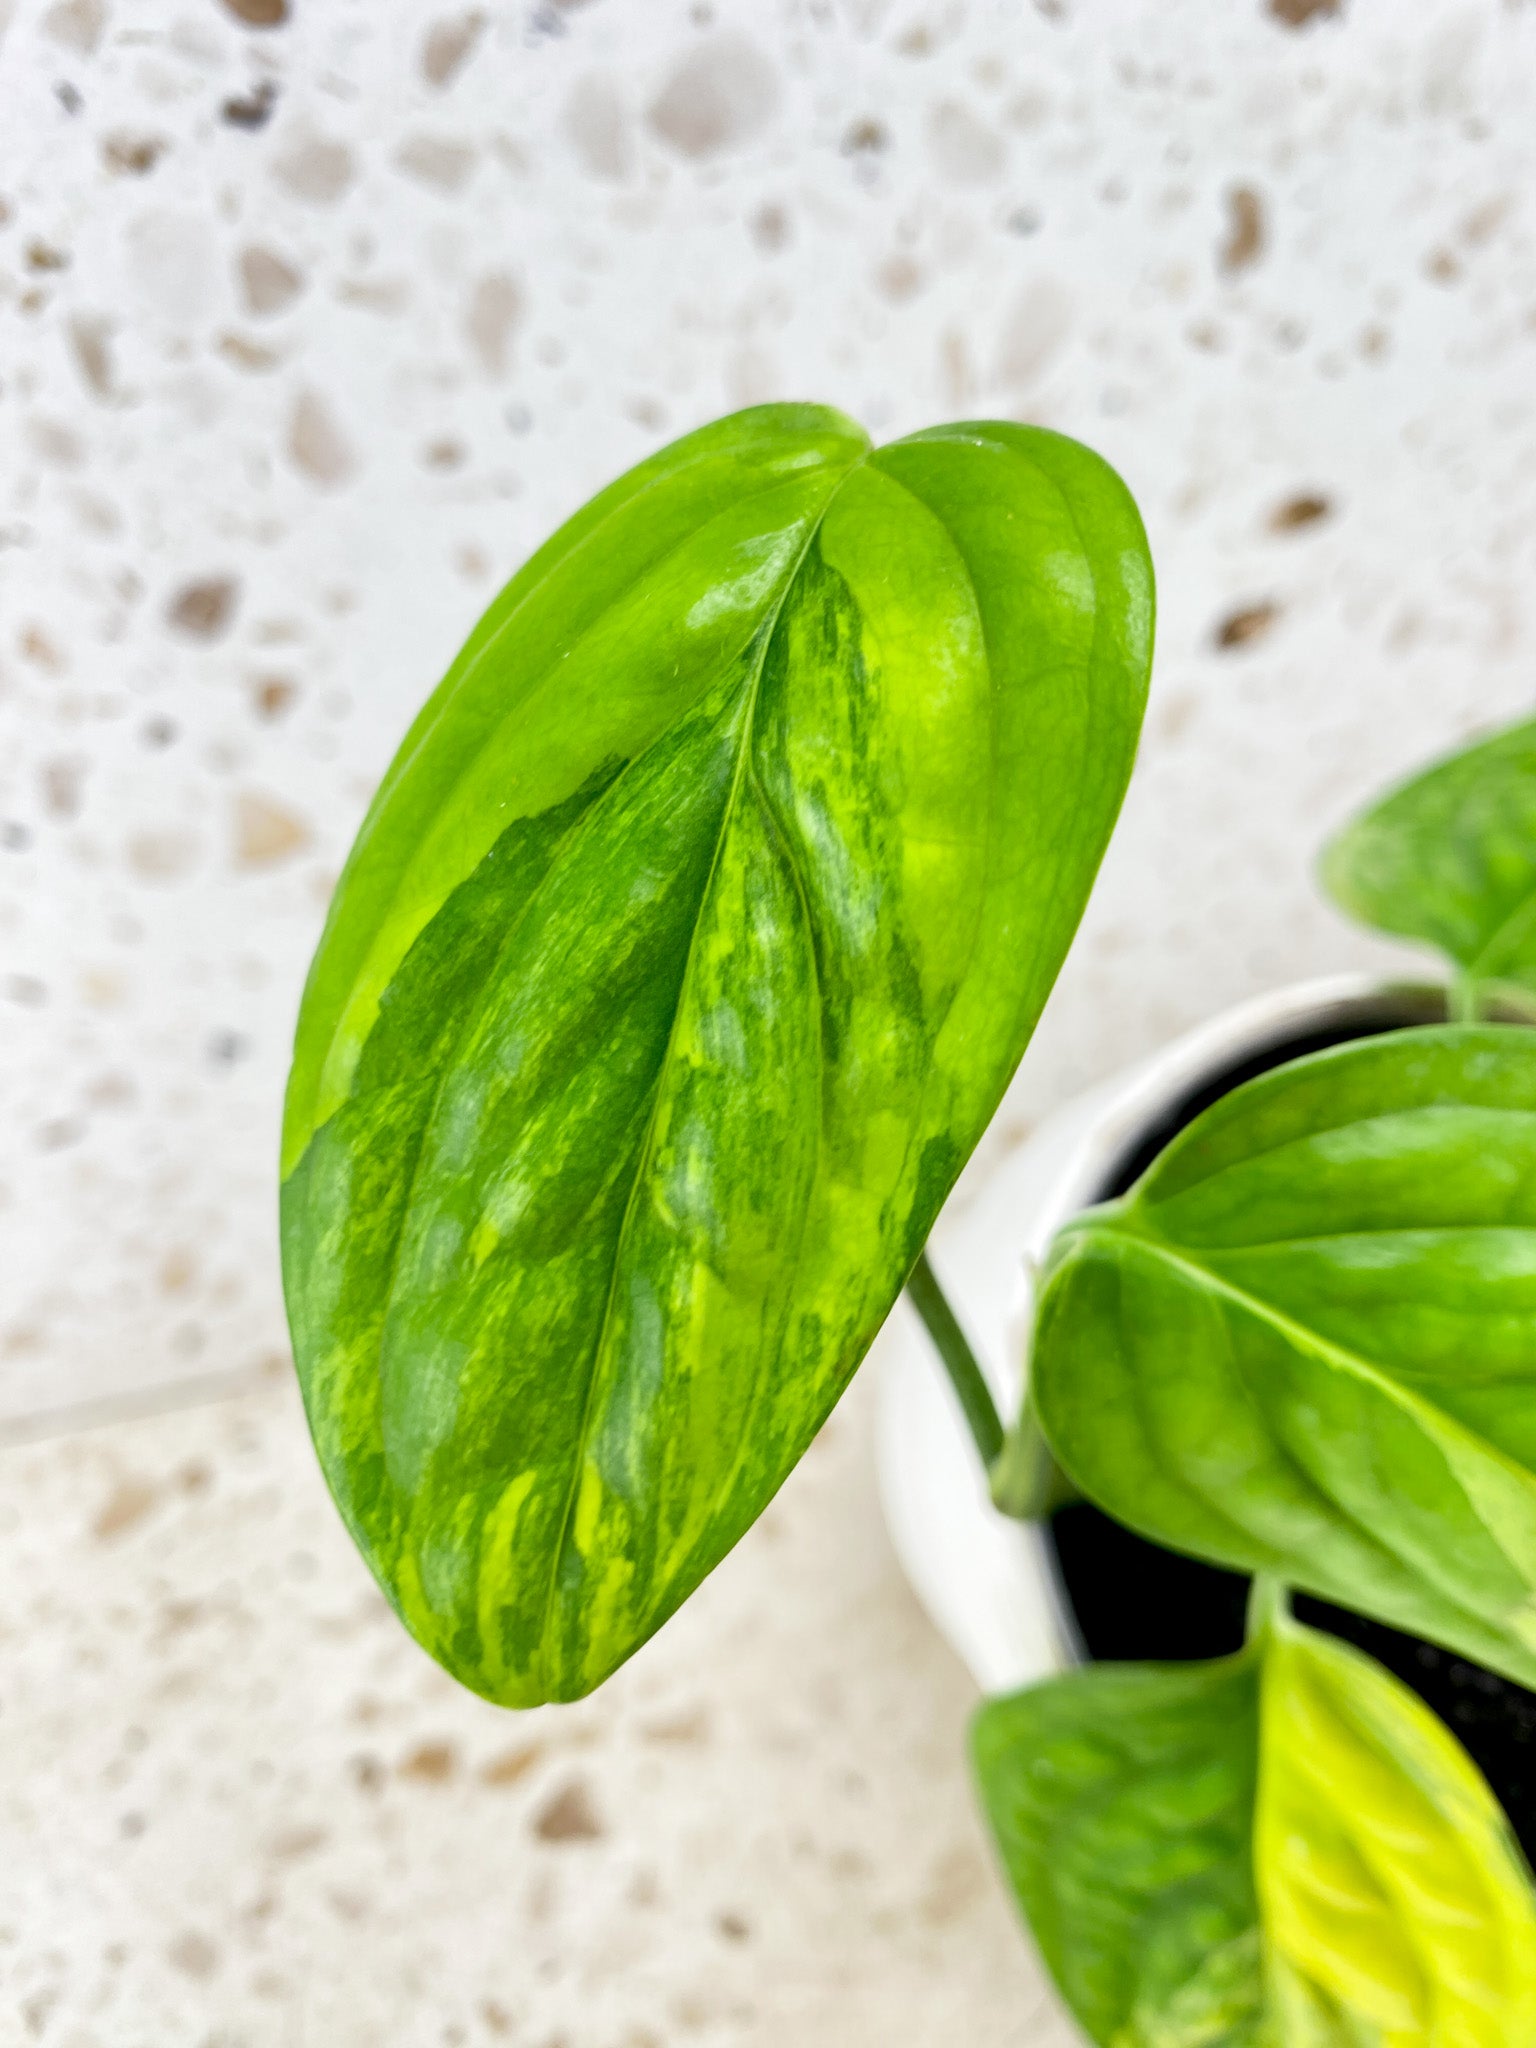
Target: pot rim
x,y
992,1585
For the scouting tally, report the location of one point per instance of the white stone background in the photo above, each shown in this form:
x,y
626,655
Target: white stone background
x,y
309,332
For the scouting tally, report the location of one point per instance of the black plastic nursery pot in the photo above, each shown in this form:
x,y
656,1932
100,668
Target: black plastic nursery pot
x,y
1131,1600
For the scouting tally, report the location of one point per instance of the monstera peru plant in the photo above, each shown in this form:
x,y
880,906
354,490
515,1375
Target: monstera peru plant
x,y
681,960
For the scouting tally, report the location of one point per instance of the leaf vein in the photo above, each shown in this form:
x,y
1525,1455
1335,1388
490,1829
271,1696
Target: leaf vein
x,y
1430,1419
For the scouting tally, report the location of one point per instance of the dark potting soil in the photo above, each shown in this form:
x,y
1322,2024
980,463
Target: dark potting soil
x,y
1135,1601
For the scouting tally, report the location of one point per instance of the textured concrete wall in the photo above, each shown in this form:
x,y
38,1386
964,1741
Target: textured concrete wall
x,y
315,316
314,330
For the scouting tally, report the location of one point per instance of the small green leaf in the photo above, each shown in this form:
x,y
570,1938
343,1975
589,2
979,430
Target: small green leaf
x,y
1450,858
1284,1849
1122,1800
685,952
1305,1343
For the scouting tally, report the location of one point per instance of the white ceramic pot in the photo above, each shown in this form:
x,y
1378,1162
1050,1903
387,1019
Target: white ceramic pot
x,y
989,1583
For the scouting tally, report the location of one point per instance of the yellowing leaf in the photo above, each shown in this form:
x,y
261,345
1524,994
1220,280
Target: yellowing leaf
x,y
1283,1849
1389,1885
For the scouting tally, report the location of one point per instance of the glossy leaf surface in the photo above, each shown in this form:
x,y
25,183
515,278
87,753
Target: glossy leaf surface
x,y
1305,1342
1450,859
686,950
1122,1800
1284,1849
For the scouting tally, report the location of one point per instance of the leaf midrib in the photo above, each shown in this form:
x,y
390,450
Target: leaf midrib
x,y
1524,912
1217,1508
766,632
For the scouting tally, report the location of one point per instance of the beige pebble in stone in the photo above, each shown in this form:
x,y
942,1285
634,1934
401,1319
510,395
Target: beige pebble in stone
x,y
316,443
1248,623
267,832
569,1815
259,13
90,340
269,283
512,1765
316,168
430,1763
1247,232
437,161
133,156
205,610
78,24
448,46
495,310
1307,508
720,96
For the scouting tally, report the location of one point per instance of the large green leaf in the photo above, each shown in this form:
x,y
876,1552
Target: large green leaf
x,y
1305,1342
681,960
1450,858
1281,1850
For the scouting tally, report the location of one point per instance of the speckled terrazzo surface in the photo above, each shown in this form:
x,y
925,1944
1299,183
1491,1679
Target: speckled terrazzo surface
x,y
240,1808
315,316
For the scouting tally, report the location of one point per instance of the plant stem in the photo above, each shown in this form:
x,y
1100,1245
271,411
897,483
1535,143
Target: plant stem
x,y
1027,1482
1464,1003
971,1390
1269,1601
